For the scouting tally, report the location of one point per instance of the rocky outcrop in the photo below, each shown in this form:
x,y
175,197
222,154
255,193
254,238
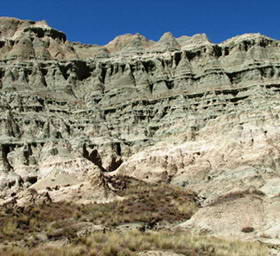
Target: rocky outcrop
x,y
182,110
20,39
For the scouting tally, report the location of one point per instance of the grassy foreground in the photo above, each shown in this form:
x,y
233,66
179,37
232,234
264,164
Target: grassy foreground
x,y
54,229
137,243
144,203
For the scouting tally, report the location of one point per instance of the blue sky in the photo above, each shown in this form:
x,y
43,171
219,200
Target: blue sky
x,y
99,21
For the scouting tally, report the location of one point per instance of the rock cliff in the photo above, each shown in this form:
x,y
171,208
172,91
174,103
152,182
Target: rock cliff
x,y
183,111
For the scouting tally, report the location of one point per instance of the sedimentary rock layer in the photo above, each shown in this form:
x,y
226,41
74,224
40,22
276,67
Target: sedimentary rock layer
x,y
181,110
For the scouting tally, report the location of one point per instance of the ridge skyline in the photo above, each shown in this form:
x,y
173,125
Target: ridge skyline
x,y
91,22
204,35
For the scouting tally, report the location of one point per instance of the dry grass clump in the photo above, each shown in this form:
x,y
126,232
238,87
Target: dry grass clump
x,y
134,242
234,195
18,223
145,203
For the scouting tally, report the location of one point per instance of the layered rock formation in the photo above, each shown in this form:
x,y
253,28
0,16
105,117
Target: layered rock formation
x,y
181,110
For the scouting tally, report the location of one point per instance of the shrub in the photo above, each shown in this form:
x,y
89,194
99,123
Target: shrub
x,y
247,229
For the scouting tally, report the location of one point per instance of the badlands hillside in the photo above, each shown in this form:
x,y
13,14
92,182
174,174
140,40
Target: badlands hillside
x,y
138,147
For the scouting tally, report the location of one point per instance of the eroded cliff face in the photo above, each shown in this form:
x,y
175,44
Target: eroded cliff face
x,y
182,110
